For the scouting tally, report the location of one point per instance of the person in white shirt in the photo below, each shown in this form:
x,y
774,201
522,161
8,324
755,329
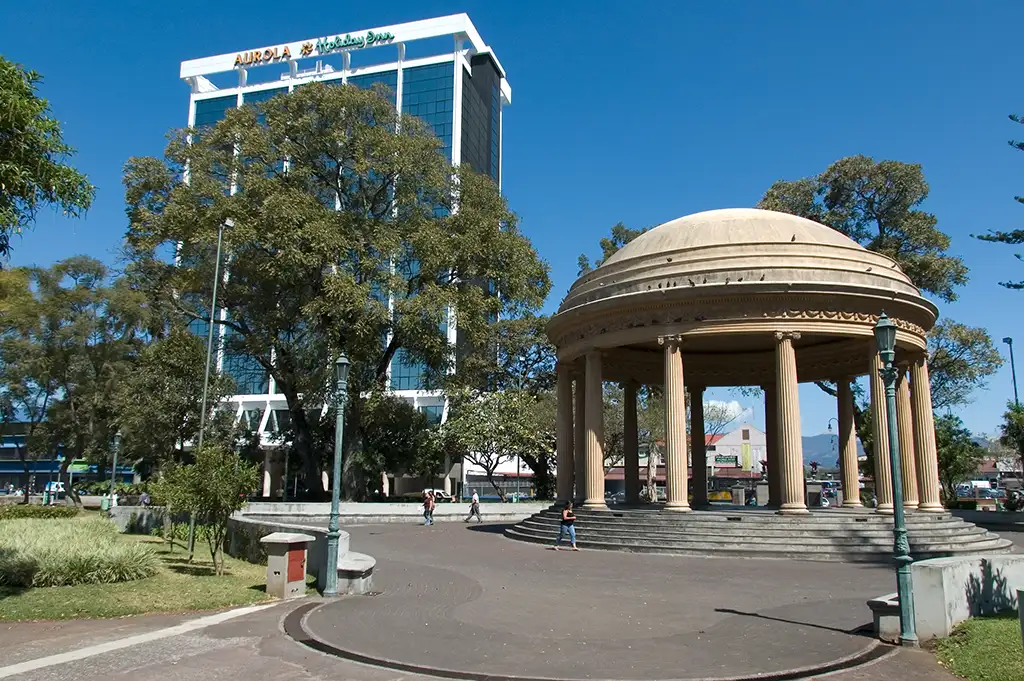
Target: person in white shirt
x,y
474,508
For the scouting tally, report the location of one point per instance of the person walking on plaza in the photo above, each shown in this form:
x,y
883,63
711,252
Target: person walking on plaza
x,y
428,508
568,527
474,508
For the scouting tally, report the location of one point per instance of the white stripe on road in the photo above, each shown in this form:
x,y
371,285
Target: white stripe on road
x,y
118,644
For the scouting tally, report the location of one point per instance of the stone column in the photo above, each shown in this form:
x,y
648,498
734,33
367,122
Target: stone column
x,y
848,468
791,452
580,441
883,467
771,432
631,445
905,424
675,426
698,455
594,414
563,430
924,438
267,484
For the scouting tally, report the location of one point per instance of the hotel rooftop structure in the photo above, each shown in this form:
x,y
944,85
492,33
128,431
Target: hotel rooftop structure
x,y
439,70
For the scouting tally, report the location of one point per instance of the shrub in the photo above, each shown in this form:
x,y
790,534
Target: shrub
x,y
179,532
39,553
15,511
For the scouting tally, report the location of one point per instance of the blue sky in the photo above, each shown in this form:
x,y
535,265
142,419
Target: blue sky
x,y
640,112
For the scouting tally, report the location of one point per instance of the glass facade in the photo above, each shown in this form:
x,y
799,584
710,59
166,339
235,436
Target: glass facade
x,y
428,92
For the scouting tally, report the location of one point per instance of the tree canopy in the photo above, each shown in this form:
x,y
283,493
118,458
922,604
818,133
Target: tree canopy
x,y
351,233
877,204
1016,236
958,454
33,157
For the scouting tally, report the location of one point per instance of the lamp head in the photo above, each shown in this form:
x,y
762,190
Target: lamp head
x,y
885,338
1008,340
341,366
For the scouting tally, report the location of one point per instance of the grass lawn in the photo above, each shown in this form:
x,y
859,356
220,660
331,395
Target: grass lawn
x,y
177,587
985,649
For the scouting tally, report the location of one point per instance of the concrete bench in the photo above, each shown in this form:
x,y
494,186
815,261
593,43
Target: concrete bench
x,y
885,611
355,573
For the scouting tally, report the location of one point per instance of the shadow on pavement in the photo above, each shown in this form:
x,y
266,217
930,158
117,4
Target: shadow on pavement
x,y
861,630
490,528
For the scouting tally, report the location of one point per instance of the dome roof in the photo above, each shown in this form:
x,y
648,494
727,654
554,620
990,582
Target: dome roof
x,y
741,249
730,226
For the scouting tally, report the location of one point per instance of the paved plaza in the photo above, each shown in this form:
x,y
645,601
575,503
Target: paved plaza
x,y
470,603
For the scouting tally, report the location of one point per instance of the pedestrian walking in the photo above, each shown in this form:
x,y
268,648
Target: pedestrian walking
x,y
567,527
474,508
428,508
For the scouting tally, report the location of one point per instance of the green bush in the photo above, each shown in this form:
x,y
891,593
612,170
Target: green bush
x,y
14,511
40,553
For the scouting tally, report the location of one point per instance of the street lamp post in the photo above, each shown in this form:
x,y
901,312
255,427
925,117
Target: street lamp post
x,y
885,337
206,369
341,366
1013,370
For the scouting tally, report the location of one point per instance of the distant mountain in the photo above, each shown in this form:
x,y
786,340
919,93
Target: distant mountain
x,y
824,449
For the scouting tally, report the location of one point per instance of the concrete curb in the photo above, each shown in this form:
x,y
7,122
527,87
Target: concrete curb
x,y
295,627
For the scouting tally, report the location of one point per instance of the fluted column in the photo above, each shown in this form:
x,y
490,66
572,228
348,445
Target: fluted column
x,y
771,431
698,455
883,467
849,469
564,432
905,425
580,441
594,413
675,426
924,438
790,440
631,446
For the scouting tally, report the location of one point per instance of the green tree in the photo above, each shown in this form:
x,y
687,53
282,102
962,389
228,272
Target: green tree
x,y
958,454
1012,435
69,341
491,428
1014,237
620,236
397,438
960,360
339,210
877,204
213,488
158,402
33,157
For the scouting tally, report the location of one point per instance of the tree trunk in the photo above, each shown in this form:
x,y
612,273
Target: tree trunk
x,y
302,439
652,473
490,479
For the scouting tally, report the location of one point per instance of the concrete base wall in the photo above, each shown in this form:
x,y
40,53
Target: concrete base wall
x,y
948,591
142,519
390,512
992,518
243,541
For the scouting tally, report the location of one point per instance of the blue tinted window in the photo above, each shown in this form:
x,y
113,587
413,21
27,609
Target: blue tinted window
x,y
433,414
388,78
261,96
428,92
406,374
249,375
210,111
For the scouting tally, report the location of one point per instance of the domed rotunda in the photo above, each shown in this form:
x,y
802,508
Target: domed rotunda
x,y
741,297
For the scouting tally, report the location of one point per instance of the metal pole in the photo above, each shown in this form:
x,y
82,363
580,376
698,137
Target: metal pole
x,y
206,372
901,545
284,483
333,529
1013,370
113,473
517,476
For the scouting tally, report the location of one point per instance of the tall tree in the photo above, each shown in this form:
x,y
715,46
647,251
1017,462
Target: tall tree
x,y
1012,435
339,209
620,236
877,204
1016,236
958,454
33,157
960,360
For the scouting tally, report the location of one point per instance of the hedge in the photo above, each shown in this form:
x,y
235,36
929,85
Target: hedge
x,y
13,511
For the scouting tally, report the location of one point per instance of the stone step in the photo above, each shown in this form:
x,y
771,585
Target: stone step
x,y
684,524
868,555
765,517
959,529
977,540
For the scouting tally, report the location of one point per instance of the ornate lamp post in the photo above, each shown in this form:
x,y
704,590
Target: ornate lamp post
x,y
333,530
1013,370
885,337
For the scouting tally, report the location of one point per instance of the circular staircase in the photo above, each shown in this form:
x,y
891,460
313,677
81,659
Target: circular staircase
x,y
823,534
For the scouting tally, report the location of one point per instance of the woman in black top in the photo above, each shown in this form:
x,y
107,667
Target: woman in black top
x,y
568,526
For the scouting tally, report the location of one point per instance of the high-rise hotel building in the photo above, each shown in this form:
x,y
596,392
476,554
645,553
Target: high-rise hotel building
x,y
439,70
